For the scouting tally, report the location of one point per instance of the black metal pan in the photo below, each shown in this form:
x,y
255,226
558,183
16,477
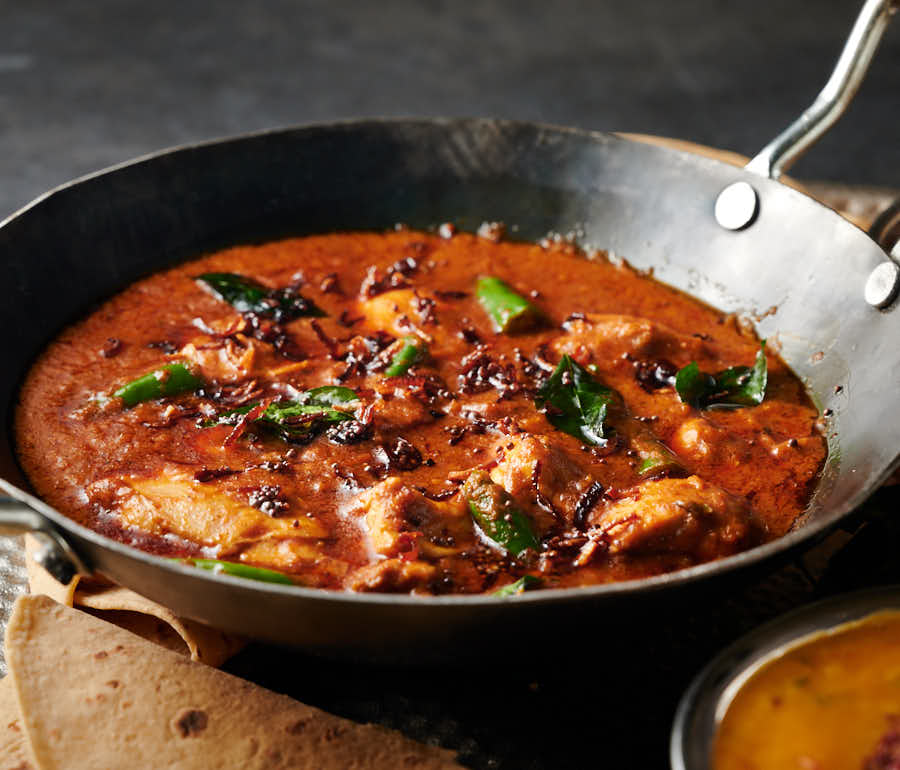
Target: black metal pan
x,y
832,285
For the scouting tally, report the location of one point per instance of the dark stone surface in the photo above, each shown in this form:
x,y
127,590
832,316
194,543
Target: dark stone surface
x,y
85,85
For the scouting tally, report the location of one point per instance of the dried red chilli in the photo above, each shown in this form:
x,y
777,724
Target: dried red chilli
x,y
398,455
450,295
652,375
425,308
111,348
211,474
344,319
165,346
245,421
348,477
328,342
586,504
438,496
539,496
468,334
331,284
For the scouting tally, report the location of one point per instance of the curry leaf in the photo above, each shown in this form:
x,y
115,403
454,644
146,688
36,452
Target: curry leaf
x,y
328,395
518,587
575,402
248,296
301,419
299,422
693,385
735,386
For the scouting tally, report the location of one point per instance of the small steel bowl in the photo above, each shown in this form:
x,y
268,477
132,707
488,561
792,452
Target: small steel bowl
x,y
705,702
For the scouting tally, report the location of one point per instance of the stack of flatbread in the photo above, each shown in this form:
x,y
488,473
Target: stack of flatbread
x,y
133,612
84,693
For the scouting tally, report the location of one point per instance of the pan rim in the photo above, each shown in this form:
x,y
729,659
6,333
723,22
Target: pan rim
x,y
805,535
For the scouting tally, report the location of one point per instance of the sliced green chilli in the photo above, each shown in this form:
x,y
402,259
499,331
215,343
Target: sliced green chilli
x,y
167,380
510,312
238,570
412,351
497,515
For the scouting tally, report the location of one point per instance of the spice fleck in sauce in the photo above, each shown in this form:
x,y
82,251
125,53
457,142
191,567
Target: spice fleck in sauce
x,y
406,412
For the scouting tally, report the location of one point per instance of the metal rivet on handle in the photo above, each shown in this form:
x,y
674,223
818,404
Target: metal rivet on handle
x,y
882,285
736,206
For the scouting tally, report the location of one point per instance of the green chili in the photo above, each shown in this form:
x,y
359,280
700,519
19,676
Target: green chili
x,y
510,312
168,380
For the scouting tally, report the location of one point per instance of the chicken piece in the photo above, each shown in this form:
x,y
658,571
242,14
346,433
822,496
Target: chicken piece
x,y
319,570
225,353
541,478
604,339
401,520
392,311
402,312
704,442
407,401
678,516
392,576
223,360
173,503
400,414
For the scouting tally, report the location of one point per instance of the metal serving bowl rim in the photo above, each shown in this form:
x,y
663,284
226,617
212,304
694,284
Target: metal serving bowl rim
x,y
713,689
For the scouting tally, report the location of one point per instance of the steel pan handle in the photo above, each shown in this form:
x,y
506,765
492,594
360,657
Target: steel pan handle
x,y
19,515
777,156
885,230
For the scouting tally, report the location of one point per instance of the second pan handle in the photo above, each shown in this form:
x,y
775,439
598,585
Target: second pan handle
x,y
777,156
22,514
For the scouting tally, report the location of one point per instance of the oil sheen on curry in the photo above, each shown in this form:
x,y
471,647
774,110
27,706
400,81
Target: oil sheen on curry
x,y
411,412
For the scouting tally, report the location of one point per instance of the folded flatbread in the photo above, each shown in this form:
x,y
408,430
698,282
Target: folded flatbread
x,y
136,613
13,744
92,695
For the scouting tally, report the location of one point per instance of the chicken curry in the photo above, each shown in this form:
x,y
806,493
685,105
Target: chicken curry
x,y
419,412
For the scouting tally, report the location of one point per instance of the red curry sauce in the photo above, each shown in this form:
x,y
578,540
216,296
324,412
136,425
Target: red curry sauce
x,y
378,501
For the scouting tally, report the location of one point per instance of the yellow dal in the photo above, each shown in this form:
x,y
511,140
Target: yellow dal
x,y
823,705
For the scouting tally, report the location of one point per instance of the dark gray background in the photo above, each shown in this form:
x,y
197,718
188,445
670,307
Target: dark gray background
x,y
87,84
